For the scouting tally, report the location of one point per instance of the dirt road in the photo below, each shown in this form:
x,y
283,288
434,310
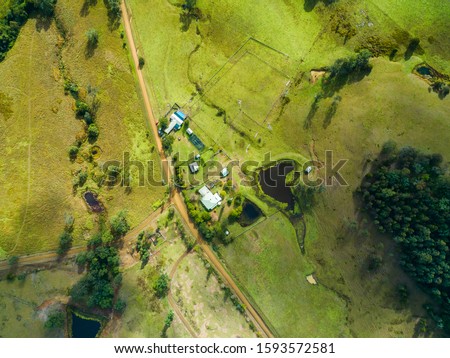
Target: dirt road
x,y
52,256
176,198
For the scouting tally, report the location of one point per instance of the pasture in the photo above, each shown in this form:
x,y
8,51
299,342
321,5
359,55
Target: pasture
x,y
38,125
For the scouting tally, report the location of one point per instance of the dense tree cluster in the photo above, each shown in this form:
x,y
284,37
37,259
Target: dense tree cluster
x,y
408,196
97,287
15,18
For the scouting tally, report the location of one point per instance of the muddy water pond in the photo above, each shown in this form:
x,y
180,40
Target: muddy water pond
x,y
93,202
273,182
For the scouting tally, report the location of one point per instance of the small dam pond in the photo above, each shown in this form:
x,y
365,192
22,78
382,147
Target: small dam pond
x,y
273,182
84,328
92,201
250,213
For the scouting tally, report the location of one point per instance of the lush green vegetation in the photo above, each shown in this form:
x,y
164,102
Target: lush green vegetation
x,y
408,195
161,285
16,15
103,278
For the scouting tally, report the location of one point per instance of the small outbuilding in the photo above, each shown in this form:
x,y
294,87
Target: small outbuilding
x,y
224,172
193,167
189,131
308,170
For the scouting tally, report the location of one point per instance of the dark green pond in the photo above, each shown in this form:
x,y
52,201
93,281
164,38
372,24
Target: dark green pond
x,y
273,182
84,328
250,213
424,71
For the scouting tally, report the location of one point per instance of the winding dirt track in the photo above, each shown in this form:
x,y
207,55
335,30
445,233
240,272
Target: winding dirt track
x,y
176,198
52,256
174,304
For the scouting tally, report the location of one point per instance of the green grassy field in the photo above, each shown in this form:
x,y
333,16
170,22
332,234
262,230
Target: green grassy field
x,y
212,65
26,304
274,274
38,124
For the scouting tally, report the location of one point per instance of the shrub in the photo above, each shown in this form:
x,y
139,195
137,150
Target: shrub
x,y
120,306
73,151
119,225
93,132
55,320
65,243
92,37
81,108
141,62
161,286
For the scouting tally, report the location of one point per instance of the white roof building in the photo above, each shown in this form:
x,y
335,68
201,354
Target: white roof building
x,y
189,131
209,200
175,122
224,172
194,167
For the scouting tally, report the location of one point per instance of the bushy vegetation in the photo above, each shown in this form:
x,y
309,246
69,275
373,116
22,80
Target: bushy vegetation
x,y
16,16
408,196
119,225
143,247
103,278
65,243
55,320
162,285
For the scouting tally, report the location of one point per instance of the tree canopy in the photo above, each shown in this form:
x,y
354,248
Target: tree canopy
x,y
408,196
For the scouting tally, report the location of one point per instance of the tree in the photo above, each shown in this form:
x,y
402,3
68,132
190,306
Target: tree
x,y
167,143
93,132
163,122
45,7
161,286
13,260
120,305
65,243
73,151
114,10
141,62
92,37
81,108
119,225
55,320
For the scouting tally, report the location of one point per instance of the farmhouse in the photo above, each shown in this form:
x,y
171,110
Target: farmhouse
x,y
209,200
176,121
193,167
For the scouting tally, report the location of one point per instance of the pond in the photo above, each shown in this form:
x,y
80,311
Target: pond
x,y
273,182
84,328
424,71
250,213
91,200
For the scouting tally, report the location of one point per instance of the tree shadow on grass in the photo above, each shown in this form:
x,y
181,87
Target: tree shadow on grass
x,y
332,85
43,23
309,5
312,111
86,6
331,112
90,49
